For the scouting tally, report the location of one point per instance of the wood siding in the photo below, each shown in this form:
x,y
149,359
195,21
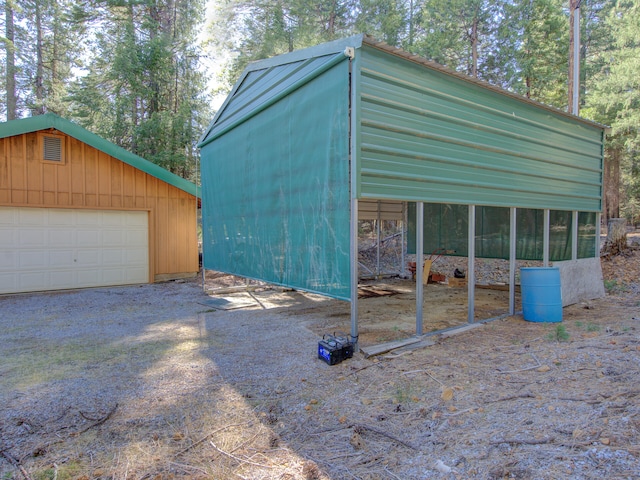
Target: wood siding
x,y
89,178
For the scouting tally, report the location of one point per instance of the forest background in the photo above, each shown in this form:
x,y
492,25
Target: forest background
x,y
147,74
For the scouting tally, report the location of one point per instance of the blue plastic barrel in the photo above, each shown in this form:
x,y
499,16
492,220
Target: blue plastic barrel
x,y
541,294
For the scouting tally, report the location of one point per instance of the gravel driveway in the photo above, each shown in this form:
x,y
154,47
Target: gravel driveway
x,y
151,382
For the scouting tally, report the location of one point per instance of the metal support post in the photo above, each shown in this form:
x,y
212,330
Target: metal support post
x,y
419,263
471,269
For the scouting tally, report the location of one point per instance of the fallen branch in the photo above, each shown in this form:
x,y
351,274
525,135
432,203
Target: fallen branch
x,y
360,426
629,393
460,412
434,378
580,399
238,459
538,365
524,441
206,437
513,397
100,421
15,462
424,371
362,368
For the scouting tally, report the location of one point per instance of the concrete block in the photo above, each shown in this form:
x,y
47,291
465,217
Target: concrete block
x,y
580,280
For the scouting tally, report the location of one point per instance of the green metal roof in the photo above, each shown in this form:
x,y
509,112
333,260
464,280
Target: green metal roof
x,y
50,120
265,82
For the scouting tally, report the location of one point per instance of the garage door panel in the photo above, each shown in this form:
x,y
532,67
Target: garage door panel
x,y
31,216
32,258
8,260
61,238
113,275
111,219
134,273
94,219
32,280
91,257
112,257
8,282
60,218
136,257
88,237
8,238
61,258
7,216
50,249
63,278
135,237
33,237
113,238
88,278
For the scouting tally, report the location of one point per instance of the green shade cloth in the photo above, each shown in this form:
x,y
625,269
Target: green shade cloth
x,y
446,229
275,201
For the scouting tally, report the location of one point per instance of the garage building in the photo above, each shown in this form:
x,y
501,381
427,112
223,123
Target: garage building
x,y
78,211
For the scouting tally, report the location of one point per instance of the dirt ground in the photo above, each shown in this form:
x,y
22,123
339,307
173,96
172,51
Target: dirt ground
x,y
165,382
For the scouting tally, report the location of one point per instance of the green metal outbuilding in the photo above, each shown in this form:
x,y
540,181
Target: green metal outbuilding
x,y
307,142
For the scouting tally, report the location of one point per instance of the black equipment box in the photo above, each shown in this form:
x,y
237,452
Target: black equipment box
x,y
333,349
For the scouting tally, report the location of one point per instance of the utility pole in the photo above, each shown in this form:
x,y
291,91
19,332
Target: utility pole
x,y
574,56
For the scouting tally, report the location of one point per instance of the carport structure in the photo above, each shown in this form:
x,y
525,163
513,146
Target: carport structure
x,y
307,141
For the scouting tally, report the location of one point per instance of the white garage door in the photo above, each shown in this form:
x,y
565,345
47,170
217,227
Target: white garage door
x,y
52,249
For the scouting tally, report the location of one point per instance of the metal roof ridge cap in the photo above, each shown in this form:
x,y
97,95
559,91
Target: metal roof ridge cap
x,y
321,50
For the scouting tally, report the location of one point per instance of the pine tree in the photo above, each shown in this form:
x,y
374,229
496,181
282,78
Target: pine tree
x,y
144,89
614,99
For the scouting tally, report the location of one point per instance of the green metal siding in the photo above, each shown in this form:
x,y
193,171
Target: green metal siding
x,y
433,137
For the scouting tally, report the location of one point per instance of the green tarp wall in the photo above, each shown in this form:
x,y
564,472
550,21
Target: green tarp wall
x,y
275,191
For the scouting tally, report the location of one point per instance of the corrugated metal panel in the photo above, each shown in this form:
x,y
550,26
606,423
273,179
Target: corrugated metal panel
x,y
433,137
385,210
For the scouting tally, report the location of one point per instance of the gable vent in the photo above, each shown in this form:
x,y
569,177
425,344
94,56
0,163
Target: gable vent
x,y
52,149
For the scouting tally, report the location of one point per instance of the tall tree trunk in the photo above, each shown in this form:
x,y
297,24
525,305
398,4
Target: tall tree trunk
x,y
135,111
611,183
12,100
573,83
38,109
154,100
474,47
331,26
411,27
